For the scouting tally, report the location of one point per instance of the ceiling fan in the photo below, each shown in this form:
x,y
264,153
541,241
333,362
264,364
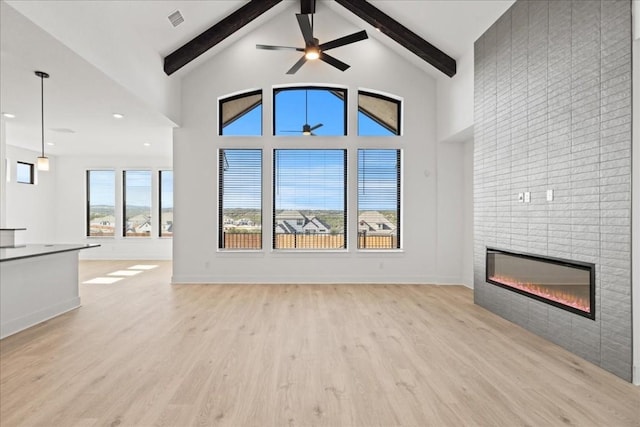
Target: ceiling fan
x,y
313,49
306,128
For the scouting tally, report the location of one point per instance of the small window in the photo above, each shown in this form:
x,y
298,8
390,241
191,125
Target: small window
x,y
310,111
24,173
101,203
166,203
136,196
241,115
378,115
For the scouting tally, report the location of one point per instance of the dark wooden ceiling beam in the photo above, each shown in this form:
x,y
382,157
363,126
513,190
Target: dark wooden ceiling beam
x,y
401,34
214,35
307,7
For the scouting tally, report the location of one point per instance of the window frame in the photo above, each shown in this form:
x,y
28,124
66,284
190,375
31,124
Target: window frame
x,y
345,204
344,90
88,203
32,174
398,101
160,172
221,230
236,96
124,203
398,205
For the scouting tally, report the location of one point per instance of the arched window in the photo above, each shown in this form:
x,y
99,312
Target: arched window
x,y
241,114
310,111
378,115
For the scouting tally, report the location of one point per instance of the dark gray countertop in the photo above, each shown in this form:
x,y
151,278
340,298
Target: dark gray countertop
x,y
34,250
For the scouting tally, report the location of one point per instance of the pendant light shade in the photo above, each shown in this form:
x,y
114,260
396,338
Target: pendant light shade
x,y
43,161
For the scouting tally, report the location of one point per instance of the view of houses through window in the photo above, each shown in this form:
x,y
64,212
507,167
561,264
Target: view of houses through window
x,y
240,199
101,203
137,218
309,199
136,196
166,203
379,199
309,185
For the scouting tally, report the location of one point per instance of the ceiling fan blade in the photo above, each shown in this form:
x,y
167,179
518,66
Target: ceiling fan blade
x,y
351,38
297,65
316,126
305,27
271,47
333,61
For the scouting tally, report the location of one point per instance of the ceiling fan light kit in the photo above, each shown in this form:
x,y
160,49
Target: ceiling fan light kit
x,y
313,49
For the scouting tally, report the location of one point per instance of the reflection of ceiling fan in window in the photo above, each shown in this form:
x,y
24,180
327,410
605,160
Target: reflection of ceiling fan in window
x,y
313,49
306,128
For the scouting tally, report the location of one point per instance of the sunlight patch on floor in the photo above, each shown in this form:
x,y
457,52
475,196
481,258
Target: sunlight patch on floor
x,y
103,281
125,273
143,267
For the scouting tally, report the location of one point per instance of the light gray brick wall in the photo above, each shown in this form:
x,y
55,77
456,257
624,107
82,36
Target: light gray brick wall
x,y
553,111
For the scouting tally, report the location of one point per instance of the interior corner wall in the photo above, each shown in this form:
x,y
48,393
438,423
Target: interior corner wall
x,y
455,101
31,206
553,111
240,67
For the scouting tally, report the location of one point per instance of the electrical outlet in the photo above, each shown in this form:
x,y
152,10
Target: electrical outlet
x,y
527,197
549,195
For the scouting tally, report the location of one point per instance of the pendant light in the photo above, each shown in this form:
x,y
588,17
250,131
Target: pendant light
x,y
43,161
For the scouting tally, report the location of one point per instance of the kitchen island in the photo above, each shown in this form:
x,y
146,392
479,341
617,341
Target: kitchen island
x,y
37,283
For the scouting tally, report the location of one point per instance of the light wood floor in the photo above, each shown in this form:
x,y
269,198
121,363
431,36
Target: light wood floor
x,y
142,352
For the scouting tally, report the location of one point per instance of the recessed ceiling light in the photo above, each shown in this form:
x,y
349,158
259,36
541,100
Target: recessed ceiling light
x,y
9,115
118,116
146,144
51,143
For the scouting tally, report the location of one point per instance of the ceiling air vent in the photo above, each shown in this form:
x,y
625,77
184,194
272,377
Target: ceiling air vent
x,y
176,18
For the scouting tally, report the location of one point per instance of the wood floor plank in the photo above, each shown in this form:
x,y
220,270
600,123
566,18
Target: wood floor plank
x,y
142,352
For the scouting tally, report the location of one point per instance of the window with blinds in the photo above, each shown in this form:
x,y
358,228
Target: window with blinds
x,y
309,199
101,203
241,114
240,199
136,202
379,198
378,115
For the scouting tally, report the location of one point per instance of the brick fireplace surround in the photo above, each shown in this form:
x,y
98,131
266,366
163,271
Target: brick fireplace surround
x,y
553,112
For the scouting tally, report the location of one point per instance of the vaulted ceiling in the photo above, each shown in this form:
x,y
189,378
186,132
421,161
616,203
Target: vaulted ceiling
x,y
361,8
108,56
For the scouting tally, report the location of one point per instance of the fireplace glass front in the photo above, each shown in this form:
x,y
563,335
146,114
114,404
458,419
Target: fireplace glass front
x,y
563,283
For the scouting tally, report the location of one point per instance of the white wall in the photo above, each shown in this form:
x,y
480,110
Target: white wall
x,y
71,205
455,102
467,208
32,206
196,257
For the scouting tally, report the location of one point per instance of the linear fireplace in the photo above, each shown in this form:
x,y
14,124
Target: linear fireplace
x,y
566,284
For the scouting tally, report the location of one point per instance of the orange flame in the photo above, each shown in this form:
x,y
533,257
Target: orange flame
x,y
545,292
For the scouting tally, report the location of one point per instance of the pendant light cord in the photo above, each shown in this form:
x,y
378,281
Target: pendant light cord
x,y
42,109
